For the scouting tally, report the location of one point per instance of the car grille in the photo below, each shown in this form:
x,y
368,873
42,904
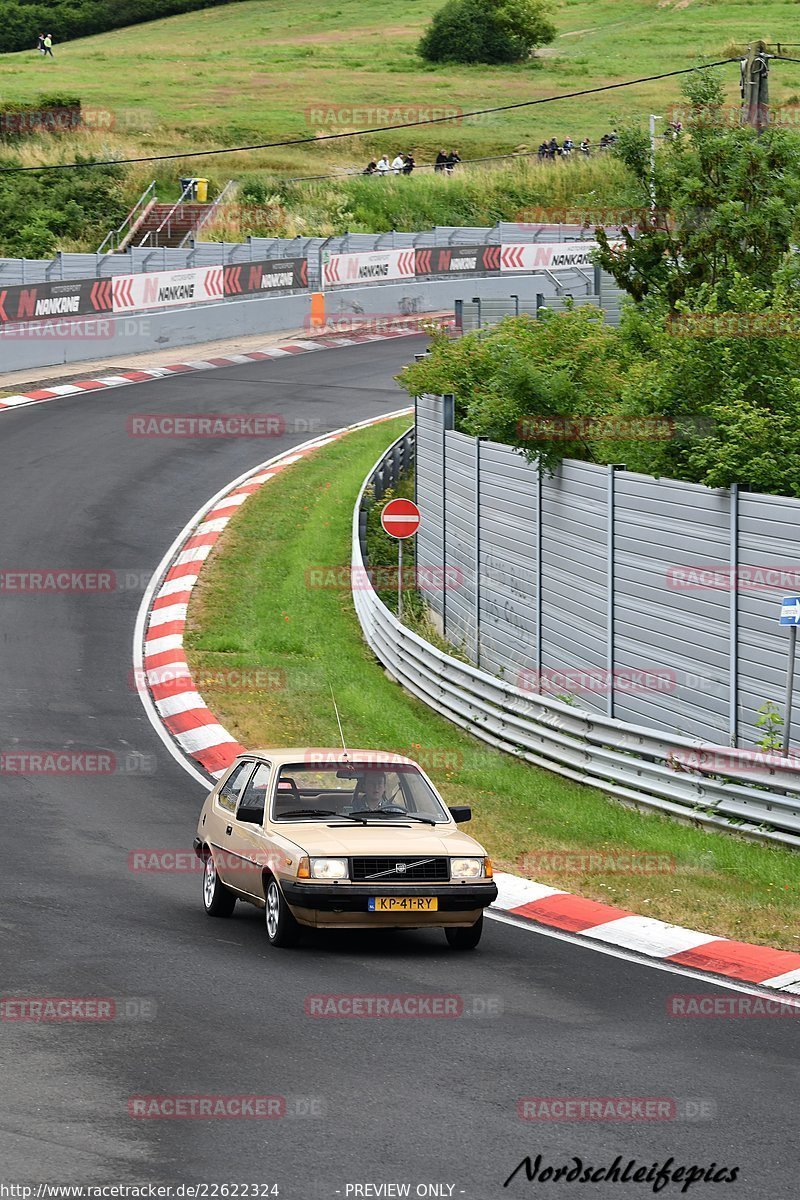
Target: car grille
x,y
417,870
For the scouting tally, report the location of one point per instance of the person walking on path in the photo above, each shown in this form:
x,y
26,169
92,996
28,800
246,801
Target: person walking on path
x,y
441,161
48,45
40,43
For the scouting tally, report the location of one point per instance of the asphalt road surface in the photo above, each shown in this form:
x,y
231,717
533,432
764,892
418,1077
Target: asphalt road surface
x,y
207,1008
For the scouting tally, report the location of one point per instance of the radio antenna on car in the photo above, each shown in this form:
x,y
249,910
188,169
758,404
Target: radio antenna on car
x,y
339,723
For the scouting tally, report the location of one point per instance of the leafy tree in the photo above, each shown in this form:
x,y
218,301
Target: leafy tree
x,y
546,386
726,203
487,31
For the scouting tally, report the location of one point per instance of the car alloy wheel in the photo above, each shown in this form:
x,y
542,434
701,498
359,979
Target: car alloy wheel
x,y
282,929
218,900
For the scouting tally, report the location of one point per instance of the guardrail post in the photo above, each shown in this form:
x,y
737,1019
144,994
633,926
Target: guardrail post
x,y
610,592
733,625
477,300
448,421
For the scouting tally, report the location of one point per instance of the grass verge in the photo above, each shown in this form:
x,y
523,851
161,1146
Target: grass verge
x,y
257,606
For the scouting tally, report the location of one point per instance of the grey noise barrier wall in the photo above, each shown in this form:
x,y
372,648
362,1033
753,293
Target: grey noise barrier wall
x,y
541,596
135,333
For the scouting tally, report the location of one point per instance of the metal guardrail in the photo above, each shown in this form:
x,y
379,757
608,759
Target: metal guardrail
x,y
633,764
117,236
208,216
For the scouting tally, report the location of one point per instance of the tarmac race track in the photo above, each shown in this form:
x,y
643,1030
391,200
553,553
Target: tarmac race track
x,y
415,1101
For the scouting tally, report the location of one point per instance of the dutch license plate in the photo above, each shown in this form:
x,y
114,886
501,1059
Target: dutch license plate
x,y
402,904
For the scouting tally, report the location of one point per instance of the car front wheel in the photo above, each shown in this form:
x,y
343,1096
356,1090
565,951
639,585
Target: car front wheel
x,y
218,900
282,929
461,938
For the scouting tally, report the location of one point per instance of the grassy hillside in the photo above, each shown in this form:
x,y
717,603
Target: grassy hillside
x,y
254,71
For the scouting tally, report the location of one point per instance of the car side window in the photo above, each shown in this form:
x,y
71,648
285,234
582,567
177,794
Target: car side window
x,y
231,791
255,794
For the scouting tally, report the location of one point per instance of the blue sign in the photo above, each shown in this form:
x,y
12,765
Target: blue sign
x,y
790,610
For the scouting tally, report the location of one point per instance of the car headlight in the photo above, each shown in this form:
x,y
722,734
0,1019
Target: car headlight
x,y
466,868
329,868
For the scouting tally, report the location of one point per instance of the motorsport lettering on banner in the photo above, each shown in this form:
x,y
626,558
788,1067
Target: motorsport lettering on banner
x,y
167,289
369,267
267,275
549,256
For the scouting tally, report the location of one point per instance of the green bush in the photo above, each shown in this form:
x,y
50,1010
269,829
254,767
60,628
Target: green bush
x,y
68,19
40,210
487,31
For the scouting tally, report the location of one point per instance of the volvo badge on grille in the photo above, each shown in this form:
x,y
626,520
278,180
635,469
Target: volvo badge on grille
x,y
400,868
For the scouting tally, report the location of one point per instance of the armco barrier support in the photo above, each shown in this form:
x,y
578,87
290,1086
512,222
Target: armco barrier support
x,y
634,764
136,333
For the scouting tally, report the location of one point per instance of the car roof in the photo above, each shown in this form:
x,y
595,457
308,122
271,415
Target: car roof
x,y
330,754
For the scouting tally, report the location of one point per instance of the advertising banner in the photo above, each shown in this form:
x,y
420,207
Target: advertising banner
x,y
547,256
167,289
58,300
369,267
268,275
449,260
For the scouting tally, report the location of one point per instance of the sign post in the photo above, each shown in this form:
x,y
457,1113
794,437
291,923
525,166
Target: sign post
x,y
400,519
790,615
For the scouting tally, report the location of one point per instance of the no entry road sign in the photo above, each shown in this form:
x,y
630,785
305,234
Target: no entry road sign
x,y
400,518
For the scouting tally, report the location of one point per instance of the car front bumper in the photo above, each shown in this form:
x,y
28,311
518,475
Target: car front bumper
x,y
352,897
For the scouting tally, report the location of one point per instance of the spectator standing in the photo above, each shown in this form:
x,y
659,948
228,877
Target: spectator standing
x,y
409,164
553,148
585,147
568,146
383,165
441,161
453,159
543,152
48,44
397,164
371,168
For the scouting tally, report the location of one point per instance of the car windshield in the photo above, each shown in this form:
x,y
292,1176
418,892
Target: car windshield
x,y
362,791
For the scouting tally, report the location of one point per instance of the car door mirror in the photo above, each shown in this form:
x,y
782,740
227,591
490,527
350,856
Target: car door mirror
x,y
460,813
250,816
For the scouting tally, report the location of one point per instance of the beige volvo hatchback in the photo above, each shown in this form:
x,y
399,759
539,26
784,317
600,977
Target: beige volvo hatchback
x,y
334,839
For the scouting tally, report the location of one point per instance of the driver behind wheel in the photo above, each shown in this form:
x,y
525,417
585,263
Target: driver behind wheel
x,y
373,790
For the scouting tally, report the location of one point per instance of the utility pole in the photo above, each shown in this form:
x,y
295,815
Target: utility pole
x,y
755,87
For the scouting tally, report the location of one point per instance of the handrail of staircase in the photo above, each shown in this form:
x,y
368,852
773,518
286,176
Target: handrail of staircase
x,y
184,196
115,235
209,214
